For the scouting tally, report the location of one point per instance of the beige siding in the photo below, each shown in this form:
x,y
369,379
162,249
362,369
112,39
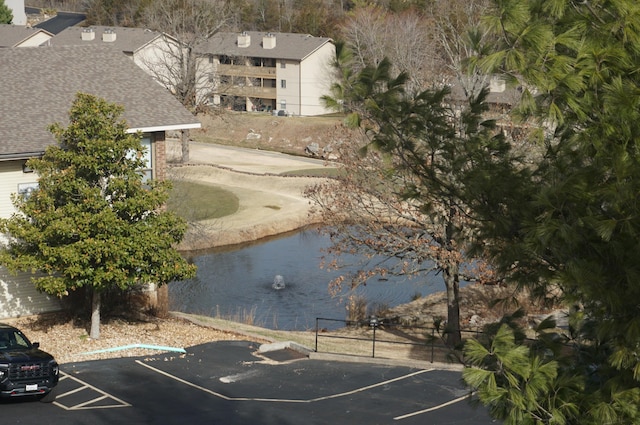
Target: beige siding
x,y
35,40
11,177
316,79
18,296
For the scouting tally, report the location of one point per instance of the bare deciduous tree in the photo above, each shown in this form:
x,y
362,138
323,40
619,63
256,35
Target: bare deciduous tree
x,y
190,23
406,39
368,215
177,64
460,40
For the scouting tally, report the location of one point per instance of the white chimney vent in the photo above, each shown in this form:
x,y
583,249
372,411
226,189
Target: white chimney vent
x,y
497,85
88,34
269,41
244,40
109,35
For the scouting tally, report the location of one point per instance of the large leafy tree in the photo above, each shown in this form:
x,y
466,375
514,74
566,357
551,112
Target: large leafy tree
x,y
6,16
93,222
576,229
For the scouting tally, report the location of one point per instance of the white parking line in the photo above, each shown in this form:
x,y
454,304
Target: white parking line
x,y
431,409
89,404
280,400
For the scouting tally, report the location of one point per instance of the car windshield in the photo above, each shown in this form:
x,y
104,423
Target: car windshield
x,y
13,339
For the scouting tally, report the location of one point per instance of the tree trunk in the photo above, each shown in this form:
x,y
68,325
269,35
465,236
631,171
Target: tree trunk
x,y
452,283
95,315
184,142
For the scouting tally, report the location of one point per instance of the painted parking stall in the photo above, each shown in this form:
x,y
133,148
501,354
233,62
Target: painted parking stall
x,y
228,382
75,394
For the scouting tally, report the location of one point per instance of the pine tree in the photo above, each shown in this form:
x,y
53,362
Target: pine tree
x,y
6,15
575,226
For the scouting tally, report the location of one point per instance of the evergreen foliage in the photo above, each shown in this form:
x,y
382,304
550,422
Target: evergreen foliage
x,y
93,222
6,15
574,228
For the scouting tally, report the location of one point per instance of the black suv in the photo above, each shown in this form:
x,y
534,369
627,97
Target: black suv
x,y
25,370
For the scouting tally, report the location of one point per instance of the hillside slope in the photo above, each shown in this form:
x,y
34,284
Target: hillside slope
x,y
267,132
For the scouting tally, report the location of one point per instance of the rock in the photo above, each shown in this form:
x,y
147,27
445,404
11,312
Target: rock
x,y
312,149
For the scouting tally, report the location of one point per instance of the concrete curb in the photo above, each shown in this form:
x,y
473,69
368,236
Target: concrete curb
x,y
276,346
416,364
281,345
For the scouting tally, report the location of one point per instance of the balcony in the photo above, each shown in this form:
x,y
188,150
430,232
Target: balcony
x,y
247,71
248,91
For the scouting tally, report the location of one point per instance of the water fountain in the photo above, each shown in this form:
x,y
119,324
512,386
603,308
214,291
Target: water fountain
x,y
278,282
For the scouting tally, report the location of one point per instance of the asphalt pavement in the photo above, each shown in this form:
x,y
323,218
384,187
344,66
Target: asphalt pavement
x,y
228,383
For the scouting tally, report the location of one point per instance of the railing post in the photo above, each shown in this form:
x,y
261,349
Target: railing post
x,y
373,322
316,349
432,345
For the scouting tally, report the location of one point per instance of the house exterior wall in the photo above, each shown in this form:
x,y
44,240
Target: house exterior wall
x,y
36,40
316,79
18,296
290,96
17,10
12,179
159,156
159,59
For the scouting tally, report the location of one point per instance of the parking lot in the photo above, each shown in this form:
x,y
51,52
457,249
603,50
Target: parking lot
x,y
226,383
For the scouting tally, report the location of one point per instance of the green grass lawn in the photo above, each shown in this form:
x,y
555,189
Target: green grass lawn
x,y
195,201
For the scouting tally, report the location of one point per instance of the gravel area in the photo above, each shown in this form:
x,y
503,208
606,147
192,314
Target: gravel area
x,y
68,341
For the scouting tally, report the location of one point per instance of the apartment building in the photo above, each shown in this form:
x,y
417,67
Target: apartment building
x,y
282,73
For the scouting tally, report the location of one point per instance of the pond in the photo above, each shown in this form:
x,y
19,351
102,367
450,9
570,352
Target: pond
x,y
238,284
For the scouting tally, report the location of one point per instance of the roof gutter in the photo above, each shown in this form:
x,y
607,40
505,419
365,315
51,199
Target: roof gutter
x,y
165,128
21,155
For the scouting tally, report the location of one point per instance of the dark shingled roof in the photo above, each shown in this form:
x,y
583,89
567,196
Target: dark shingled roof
x,y
61,21
39,84
288,46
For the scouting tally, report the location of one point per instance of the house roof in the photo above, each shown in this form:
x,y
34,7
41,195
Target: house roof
x,y
39,84
14,35
499,92
287,45
61,21
127,40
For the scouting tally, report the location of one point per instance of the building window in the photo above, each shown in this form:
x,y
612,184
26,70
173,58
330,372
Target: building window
x,y
283,84
26,189
283,104
146,158
283,64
